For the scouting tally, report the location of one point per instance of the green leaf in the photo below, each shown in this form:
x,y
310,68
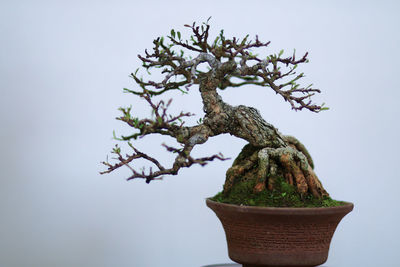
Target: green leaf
x,y
136,71
183,92
116,138
281,52
173,33
221,35
117,150
135,122
309,86
179,35
324,108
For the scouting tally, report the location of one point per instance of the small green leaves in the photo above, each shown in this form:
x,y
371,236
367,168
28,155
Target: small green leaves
x,y
130,144
179,35
183,92
199,121
135,122
221,35
116,149
216,41
116,138
323,107
281,52
173,33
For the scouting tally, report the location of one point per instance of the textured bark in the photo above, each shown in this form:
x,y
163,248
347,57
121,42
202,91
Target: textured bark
x,y
272,153
240,121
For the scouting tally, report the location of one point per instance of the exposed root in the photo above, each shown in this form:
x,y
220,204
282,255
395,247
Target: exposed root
x,y
243,163
296,144
294,170
287,162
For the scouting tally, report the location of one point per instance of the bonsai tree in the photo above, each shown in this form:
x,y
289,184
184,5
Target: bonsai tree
x,y
271,165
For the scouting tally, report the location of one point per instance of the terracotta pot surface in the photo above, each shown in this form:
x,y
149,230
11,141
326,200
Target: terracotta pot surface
x,y
266,236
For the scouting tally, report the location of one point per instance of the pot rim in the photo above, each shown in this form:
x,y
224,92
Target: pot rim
x,y
347,207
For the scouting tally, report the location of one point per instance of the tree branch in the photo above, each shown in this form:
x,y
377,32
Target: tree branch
x,y
227,59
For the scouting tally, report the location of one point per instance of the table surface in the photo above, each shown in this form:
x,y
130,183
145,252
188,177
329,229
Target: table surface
x,y
228,265
224,265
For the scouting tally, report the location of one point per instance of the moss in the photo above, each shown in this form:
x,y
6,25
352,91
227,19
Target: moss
x,y
246,153
283,195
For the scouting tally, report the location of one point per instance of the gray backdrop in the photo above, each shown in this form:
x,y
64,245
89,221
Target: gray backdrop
x,y
63,65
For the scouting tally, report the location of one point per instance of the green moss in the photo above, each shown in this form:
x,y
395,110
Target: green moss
x,y
283,195
247,151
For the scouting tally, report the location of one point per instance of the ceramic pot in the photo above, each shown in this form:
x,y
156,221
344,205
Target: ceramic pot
x,y
266,236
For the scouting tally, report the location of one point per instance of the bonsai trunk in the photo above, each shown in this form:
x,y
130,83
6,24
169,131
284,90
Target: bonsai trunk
x,y
268,156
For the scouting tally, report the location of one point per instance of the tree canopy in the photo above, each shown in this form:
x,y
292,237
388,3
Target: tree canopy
x,y
231,62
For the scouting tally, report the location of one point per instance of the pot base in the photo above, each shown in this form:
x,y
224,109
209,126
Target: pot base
x,y
272,237
276,265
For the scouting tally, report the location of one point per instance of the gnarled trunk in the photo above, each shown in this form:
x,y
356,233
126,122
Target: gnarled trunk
x,y
268,156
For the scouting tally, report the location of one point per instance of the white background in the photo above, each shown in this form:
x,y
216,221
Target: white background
x,y
63,65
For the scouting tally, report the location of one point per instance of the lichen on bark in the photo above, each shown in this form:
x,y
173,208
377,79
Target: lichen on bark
x,y
268,157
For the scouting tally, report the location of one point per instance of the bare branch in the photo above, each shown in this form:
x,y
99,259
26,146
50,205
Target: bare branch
x,y
163,123
183,160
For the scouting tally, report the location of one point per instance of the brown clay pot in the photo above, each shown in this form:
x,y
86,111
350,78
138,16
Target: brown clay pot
x,y
264,236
